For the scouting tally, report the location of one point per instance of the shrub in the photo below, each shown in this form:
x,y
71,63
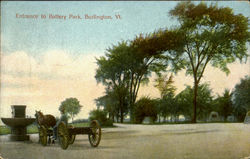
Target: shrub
x,y
108,123
101,116
143,108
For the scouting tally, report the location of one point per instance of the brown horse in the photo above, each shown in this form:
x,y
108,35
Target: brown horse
x,y
46,120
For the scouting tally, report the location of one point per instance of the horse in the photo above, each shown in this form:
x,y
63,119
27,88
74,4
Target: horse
x,y
46,120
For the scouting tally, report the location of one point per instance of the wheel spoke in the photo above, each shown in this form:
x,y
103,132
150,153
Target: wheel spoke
x,y
63,135
95,136
43,135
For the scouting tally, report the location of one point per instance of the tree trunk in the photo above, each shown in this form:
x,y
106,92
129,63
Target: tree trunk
x,y
225,118
121,108
117,118
132,113
195,101
131,108
121,114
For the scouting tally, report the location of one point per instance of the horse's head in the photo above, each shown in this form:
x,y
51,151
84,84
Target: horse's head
x,y
39,116
37,113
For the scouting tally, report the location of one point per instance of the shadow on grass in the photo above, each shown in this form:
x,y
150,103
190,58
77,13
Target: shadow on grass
x,y
86,146
181,122
118,135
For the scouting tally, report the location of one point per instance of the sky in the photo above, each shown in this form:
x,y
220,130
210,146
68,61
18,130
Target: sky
x,y
46,60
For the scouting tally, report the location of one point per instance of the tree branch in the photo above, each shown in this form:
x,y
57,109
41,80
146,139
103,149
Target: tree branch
x,y
209,57
203,69
191,60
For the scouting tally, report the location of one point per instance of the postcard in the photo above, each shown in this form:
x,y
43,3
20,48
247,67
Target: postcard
x,y
125,79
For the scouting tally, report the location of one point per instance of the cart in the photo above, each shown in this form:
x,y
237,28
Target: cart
x,y
67,134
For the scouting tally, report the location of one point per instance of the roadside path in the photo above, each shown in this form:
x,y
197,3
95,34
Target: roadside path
x,y
182,141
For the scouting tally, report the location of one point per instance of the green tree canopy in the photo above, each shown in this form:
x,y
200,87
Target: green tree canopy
x,y
71,107
111,102
113,73
123,69
223,104
145,107
210,35
205,35
204,101
100,116
166,105
165,85
241,98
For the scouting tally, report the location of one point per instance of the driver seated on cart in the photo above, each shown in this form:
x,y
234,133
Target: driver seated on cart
x,y
64,119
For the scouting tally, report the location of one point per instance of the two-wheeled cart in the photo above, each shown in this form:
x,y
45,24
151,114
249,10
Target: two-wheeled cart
x,y
67,134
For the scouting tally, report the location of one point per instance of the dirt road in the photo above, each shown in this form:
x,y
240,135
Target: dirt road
x,y
189,141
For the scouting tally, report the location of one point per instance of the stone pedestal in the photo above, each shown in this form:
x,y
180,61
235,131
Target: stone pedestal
x,y
19,137
18,123
19,134
18,111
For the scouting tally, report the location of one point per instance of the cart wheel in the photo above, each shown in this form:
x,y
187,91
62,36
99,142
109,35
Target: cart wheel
x,y
63,135
43,135
95,136
71,137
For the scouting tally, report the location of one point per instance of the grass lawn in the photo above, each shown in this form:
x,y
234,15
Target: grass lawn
x,y
4,130
32,129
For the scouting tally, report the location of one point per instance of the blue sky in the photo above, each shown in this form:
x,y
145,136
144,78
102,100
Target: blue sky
x,y
44,61
74,36
84,36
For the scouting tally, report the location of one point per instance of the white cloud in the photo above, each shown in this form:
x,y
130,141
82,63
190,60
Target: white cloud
x,y
17,63
44,83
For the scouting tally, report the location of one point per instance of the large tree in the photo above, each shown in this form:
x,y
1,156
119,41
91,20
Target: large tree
x,y
241,98
123,69
184,101
223,104
110,104
165,85
204,101
145,107
143,62
112,72
210,34
71,107
166,105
